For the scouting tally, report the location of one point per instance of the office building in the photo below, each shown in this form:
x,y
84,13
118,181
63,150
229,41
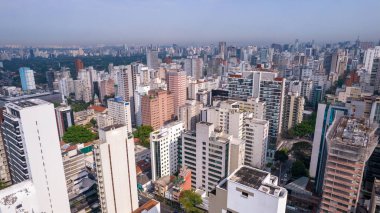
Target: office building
x,y
350,142
293,110
152,59
120,112
27,79
117,187
189,114
248,190
194,67
207,153
65,119
157,108
32,144
176,81
164,149
326,115
222,50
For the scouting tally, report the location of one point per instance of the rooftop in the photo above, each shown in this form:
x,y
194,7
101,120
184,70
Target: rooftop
x,y
112,127
147,206
249,176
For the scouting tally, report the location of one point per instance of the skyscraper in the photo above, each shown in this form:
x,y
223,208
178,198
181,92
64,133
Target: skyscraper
x,y
78,64
350,143
116,170
164,149
152,59
293,110
126,85
65,119
157,108
222,50
120,112
176,80
33,152
27,78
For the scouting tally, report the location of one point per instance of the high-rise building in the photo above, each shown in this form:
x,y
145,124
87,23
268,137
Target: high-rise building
x,y
107,88
152,59
176,81
65,119
78,64
210,154
369,56
116,170
248,190
50,78
374,206
164,149
33,152
157,108
222,50
126,85
27,78
120,112
189,114
256,142
293,110
194,67
5,177
350,142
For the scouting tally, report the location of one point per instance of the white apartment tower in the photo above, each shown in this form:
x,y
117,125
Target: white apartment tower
x,y
256,142
116,170
33,151
120,112
164,149
190,114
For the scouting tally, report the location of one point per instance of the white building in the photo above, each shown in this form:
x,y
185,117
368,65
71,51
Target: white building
x,y
206,153
140,91
164,149
32,142
116,170
248,190
256,142
103,120
120,111
369,56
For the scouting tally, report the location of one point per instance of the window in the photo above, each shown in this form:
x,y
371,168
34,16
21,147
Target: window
x,y
244,194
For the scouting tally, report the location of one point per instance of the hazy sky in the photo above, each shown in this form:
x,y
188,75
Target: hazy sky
x,y
34,22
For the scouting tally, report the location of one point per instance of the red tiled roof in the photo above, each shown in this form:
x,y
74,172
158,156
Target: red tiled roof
x,y
147,206
97,108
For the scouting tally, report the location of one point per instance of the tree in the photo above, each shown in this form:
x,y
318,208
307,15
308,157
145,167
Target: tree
x,y
281,155
78,134
143,134
93,122
299,169
189,199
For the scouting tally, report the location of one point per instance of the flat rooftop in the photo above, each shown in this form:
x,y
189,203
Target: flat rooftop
x,y
249,176
111,127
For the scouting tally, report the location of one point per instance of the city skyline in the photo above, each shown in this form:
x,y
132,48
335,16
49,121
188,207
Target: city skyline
x,y
202,22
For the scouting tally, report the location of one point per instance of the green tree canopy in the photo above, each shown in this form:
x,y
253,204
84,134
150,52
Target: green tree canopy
x,y
143,134
189,199
281,155
299,169
78,134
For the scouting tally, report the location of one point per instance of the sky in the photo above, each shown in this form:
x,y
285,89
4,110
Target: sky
x,y
88,22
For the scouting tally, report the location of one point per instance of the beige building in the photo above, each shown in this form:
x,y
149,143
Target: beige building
x,y
350,142
157,108
293,110
189,114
